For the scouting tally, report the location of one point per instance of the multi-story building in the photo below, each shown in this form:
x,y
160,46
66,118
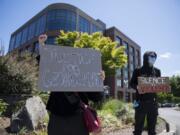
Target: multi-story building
x,y
53,18
120,82
66,17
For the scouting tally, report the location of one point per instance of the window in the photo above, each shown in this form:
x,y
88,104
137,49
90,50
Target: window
x,y
131,50
31,30
18,39
12,43
24,35
126,73
61,19
95,28
84,25
125,81
51,40
118,82
119,40
132,56
126,47
40,26
137,58
118,72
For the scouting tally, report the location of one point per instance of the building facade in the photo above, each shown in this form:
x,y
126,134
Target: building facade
x,y
53,18
120,82
60,16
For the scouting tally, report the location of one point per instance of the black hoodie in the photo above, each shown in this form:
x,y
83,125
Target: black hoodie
x,y
145,71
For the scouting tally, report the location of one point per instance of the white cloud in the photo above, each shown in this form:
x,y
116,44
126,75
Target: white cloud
x,y
177,72
165,55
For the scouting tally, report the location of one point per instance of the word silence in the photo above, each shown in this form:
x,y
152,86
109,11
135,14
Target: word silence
x,y
153,84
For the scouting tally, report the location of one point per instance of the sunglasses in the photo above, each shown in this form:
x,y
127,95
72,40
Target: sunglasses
x,y
153,56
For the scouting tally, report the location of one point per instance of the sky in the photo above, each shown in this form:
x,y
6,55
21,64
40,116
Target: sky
x,y
153,24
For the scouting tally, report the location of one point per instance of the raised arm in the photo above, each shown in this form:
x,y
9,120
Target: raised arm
x,y
42,38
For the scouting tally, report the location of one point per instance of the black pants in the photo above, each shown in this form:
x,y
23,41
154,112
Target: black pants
x,y
150,111
69,125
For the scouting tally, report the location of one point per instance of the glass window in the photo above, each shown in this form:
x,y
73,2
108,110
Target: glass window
x,y
119,40
12,43
126,83
40,25
95,28
119,82
125,70
131,50
126,47
31,30
51,40
131,58
24,35
18,39
137,58
84,25
131,67
61,19
118,72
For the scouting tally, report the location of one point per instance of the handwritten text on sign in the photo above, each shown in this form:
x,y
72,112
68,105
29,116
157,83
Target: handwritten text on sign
x,y
69,69
153,84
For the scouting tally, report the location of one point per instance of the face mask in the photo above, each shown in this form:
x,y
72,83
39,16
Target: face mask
x,y
151,60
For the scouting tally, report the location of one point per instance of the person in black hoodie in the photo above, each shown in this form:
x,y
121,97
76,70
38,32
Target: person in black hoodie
x,y
145,104
65,112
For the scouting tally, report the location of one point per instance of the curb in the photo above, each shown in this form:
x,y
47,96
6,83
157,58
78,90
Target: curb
x,y
170,129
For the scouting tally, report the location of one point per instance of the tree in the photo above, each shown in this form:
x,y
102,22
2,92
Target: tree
x,y
174,96
2,49
113,57
18,74
175,85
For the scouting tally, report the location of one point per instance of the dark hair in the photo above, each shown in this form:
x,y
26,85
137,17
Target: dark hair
x,y
145,57
147,53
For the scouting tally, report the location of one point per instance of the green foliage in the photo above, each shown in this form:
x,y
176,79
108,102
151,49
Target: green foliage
x,y
44,96
113,106
18,74
164,97
3,107
175,85
176,99
123,111
113,57
108,120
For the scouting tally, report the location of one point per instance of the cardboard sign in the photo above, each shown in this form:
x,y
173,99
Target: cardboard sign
x,y
69,69
153,84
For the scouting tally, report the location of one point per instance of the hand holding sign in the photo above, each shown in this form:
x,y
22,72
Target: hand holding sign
x,y
69,69
102,75
42,38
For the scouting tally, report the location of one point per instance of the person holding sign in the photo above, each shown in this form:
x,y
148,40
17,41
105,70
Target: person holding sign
x,y
145,104
64,107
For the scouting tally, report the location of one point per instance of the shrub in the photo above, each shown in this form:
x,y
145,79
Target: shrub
x,y
176,99
122,111
113,106
3,107
18,74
